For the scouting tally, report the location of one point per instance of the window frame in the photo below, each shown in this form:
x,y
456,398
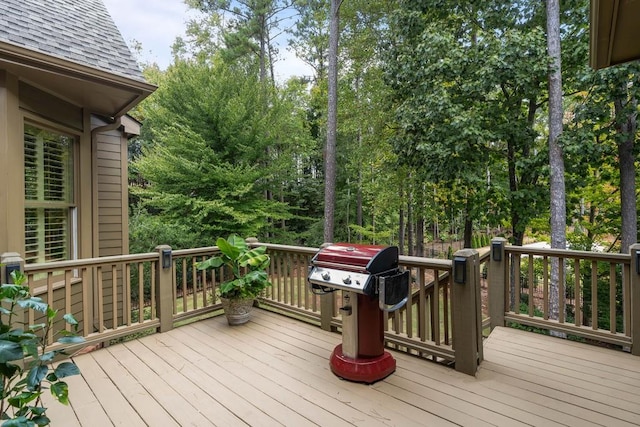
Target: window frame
x,y
71,207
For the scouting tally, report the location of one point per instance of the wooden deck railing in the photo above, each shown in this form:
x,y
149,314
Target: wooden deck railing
x,y
595,292
122,295
423,327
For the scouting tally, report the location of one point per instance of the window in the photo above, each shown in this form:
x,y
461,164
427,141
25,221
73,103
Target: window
x,y
50,212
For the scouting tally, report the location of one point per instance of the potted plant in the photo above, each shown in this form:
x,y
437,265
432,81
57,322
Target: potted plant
x,y
248,266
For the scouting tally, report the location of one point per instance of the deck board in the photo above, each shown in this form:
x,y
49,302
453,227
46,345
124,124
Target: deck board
x,y
274,371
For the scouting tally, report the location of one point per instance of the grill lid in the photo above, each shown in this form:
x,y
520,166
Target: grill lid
x,y
358,258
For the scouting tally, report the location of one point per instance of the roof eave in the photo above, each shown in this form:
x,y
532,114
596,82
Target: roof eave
x,y
613,32
59,67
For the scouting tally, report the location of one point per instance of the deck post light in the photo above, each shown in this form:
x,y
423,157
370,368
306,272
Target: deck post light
x,y
459,270
496,251
166,258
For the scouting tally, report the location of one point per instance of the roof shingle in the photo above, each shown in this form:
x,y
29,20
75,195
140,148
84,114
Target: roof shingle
x,y
80,31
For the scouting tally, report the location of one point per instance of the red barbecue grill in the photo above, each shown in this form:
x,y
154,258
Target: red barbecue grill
x,y
371,284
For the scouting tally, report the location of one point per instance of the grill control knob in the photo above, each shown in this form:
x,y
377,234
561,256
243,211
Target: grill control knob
x,y
326,276
346,280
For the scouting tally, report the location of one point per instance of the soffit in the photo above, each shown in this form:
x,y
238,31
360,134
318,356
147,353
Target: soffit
x,y
614,32
97,91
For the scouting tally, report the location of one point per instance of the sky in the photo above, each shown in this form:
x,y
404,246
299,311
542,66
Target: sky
x,y
156,24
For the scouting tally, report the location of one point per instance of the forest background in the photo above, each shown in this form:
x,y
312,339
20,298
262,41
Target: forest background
x,y
442,128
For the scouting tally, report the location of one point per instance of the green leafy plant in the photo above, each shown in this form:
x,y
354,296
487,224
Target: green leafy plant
x,y
248,266
26,364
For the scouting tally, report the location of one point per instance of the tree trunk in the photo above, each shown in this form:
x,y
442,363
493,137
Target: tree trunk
x,y
518,233
468,230
332,125
401,223
626,126
410,233
556,160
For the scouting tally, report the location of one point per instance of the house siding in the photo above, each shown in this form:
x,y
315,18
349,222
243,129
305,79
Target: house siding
x,y
112,210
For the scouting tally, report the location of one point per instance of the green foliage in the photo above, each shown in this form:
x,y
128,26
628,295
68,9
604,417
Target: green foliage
x,y
248,266
208,166
25,363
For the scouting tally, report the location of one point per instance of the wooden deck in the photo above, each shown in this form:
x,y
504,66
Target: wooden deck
x,y
274,371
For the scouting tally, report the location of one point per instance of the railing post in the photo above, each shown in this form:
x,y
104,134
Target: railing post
x,y
11,261
497,275
634,271
327,306
466,311
164,288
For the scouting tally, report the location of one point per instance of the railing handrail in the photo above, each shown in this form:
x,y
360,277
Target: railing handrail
x,y
288,248
195,251
435,263
568,253
89,262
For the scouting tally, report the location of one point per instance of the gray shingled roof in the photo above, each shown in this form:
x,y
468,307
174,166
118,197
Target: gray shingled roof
x,y
80,31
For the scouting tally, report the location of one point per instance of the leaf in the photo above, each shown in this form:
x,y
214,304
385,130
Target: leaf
x,y
60,391
18,422
228,247
41,420
70,319
213,262
9,351
47,357
35,376
71,340
8,370
66,369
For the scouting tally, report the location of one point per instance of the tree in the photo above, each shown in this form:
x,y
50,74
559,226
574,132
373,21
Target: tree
x,y
608,115
310,36
556,158
203,163
332,123
468,84
251,28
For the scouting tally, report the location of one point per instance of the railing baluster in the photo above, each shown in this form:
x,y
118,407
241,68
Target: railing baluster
x,y
517,285
100,300
594,295
141,280
435,308
194,282
626,298
153,313
126,296
50,301
67,295
114,296
576,293
87,319
281,283
422,309
445,310
612,298
184,285
561,290
545,284
530,283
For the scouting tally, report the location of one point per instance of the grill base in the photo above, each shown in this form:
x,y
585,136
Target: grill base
x,y
361,370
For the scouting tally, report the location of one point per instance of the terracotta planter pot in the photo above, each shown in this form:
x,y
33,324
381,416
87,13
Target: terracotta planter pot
x,y
238,311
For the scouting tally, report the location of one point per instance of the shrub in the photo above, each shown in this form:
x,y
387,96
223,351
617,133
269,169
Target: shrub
x,y
26,365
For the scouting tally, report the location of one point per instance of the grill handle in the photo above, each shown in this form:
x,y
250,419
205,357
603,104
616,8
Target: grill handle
x,y
392,288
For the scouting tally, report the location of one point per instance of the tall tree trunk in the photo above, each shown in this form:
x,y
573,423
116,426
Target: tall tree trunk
x,y
517,231
401,222
556,160
626,126
421,222
332,124
410,231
